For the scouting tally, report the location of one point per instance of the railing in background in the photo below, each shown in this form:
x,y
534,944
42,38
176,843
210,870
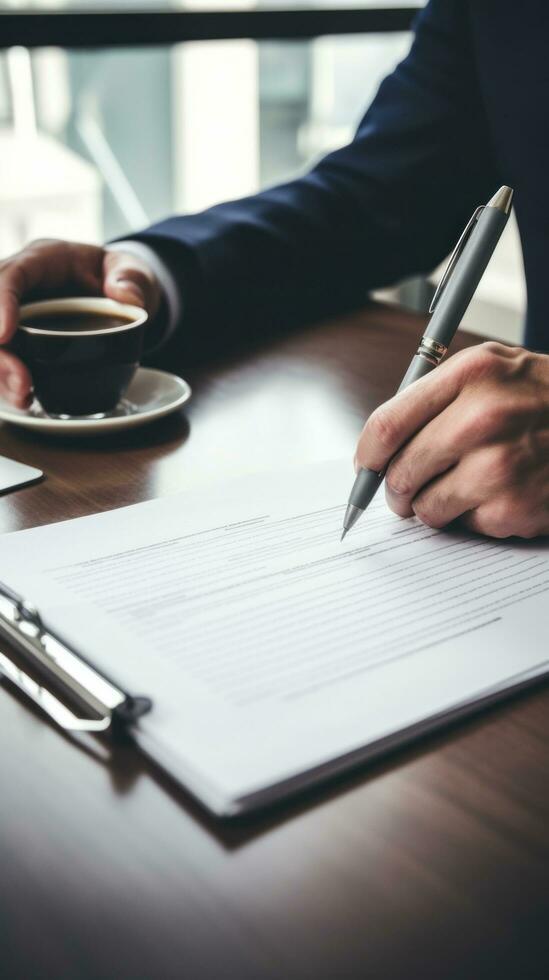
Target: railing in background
x,y
103,28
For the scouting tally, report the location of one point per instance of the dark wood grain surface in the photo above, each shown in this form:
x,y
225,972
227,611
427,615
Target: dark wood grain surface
x,y
434,863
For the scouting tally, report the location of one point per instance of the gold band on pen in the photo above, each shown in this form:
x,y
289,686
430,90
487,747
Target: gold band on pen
x,y
431,350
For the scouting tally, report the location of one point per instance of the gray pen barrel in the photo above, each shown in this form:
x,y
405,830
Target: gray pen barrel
x,y
365,487
461,286
419,367
452,304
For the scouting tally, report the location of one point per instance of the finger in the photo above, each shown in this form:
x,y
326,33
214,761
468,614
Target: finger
x,y
12,286
482,520
15,380
450,495
427,456
491,475
509,514
433,450
127,279
21,276
396,421
45,268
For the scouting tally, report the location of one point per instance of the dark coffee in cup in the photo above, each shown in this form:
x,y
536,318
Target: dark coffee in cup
x,y
82,353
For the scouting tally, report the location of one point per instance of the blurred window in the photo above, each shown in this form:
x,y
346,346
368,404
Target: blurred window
x,y
139,133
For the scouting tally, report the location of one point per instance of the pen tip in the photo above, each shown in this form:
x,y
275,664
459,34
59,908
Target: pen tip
x,y
344,533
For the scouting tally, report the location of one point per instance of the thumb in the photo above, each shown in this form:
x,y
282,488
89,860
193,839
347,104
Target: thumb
x,y
128,279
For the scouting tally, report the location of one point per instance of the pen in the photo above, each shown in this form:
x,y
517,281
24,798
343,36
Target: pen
x,y
452,297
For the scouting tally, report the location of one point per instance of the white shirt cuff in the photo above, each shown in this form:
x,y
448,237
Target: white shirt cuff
x,y
171,290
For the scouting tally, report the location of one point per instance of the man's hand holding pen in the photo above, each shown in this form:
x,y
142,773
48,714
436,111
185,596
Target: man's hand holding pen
x,y
472,442
468,441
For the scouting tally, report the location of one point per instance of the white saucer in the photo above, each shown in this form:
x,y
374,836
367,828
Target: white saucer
x,y
151,395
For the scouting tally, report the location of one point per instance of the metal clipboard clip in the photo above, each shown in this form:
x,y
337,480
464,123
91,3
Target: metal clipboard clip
x,y
455,256
22,625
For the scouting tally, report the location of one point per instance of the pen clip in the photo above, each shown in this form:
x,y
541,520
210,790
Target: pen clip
x,y
455,256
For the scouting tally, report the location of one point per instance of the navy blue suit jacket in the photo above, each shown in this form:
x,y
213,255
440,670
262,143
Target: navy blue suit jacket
x,y
466,111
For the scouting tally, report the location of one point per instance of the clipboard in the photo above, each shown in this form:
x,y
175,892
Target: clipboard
x,y
251,704
61,667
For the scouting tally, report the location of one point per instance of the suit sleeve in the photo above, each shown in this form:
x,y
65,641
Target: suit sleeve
x,y
387,206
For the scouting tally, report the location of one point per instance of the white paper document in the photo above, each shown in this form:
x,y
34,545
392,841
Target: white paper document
x,y
273,653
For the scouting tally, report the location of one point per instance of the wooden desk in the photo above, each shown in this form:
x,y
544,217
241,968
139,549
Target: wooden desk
x,y
433,864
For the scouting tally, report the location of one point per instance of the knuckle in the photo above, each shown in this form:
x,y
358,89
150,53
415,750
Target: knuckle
x,y
484,360
18,259
10,263
503,464
488,416
398,477
125,268
503,522
528,530
398,504
135,265
39,243
428,507
13,274
494,348
382,427
501,518
34,244
481,522
140,276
